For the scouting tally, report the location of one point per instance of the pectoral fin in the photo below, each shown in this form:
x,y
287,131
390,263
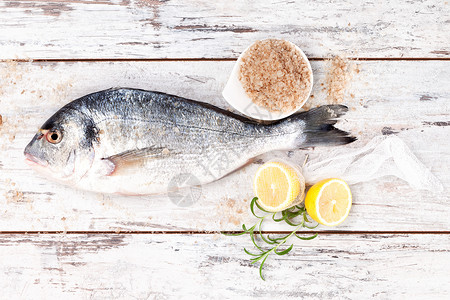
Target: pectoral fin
x,y
129,161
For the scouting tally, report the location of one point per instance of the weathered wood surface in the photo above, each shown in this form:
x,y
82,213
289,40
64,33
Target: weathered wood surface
x,y
215,267
407,98
71,29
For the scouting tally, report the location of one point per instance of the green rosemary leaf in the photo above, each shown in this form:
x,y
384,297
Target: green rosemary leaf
x,y
261,266
276,240
285,213
305,218
267,241
248,230
252,237
306,238
233,234
297,208
291,215
301,208
249,253
295,214
291,223
254,261
261,256
286,251
310,227
271,239
276,219
262,235
252,204
259,206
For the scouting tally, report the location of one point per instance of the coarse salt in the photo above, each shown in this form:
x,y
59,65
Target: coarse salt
x,y
275,75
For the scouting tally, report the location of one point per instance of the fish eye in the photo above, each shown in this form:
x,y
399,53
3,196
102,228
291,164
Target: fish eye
x,y
54,136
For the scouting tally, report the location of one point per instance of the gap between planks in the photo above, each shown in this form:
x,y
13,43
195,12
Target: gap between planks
x,y
330,232
181,59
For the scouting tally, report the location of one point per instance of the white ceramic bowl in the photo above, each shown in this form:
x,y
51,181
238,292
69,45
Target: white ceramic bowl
x,y
236,96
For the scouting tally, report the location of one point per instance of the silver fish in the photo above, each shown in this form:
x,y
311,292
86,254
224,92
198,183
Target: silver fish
x,y
135,142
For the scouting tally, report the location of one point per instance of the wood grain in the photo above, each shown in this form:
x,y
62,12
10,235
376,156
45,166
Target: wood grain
x,y
395,243
215,267
388,98
71,29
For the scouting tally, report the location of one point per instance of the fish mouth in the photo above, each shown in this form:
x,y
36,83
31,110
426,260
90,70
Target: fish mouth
x,y
34,161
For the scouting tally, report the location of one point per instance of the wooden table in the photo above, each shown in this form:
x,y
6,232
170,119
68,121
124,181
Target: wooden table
x,y
60,243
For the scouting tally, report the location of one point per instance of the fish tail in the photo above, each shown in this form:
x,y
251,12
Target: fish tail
x,y
316,127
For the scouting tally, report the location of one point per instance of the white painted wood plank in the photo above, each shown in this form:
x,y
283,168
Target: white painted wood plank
x,y
220,29
389,96
215,267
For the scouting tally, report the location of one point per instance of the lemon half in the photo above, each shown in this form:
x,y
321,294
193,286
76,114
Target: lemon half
x,y
329,201
278,186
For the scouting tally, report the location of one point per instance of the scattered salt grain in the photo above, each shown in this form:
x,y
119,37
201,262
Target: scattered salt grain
x,y
340,72
230,211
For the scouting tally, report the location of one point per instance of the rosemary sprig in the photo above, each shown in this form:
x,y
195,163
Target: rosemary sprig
x,y
275,243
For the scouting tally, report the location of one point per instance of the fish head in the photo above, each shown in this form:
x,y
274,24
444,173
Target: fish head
x,y
63,147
